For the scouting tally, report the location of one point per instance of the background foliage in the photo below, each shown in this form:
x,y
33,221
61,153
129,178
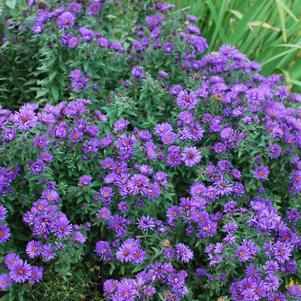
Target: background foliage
x,y
268,31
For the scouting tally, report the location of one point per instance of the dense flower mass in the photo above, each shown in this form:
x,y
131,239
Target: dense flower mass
x,y
178,172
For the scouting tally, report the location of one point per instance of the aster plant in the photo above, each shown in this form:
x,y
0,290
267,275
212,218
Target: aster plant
x,y
182,184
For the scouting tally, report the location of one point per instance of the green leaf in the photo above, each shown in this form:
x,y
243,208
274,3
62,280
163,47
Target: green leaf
x,y
11,3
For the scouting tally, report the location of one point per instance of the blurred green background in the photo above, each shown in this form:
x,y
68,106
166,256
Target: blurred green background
x,y
268,31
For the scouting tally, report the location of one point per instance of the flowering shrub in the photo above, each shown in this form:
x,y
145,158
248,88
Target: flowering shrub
x,y
176,172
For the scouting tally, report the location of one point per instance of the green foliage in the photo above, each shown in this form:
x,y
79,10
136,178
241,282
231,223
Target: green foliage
x,y
268,31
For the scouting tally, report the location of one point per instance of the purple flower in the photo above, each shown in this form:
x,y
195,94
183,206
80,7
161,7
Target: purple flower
x,y
294,291
40,142
123,206
85,180
78,237
130,251
104,213
79,80
186,100
292,215
261,172
274,151
25,118
138,184
65,20
33,249
10,259
246,251
5,281
3,212
282,251
183,253
36,274
146,223
74,8
37,167
47,252
20,271
94,9
103,250
137,72
73,42
191,156
76,135
4,233
120,125
86,34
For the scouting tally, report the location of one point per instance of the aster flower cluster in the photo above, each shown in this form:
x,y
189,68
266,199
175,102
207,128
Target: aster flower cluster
x,y
48,223
19,271
143,286
4,228
78,80
183,184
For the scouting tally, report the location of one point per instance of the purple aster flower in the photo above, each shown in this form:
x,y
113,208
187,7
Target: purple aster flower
x,y
61,228
183,253
65,20
294,291
5,281
103,250
33,249
10,259
219,147
138,184
120,125
292,215
4,233
153,21
103,42
146,223
20,271
186,100
123,206
191,156
47,252
173,213
45,157
94,9
3,212
137,72
86,34
126,290
37,167
261,172
36,274
40,142
85,180
73,42
246,251
74,8
78,237
161,178
168,47
51,195
25,118
106,193
104,213
76,135
130,251
274,151
149,291
282,251
168,138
